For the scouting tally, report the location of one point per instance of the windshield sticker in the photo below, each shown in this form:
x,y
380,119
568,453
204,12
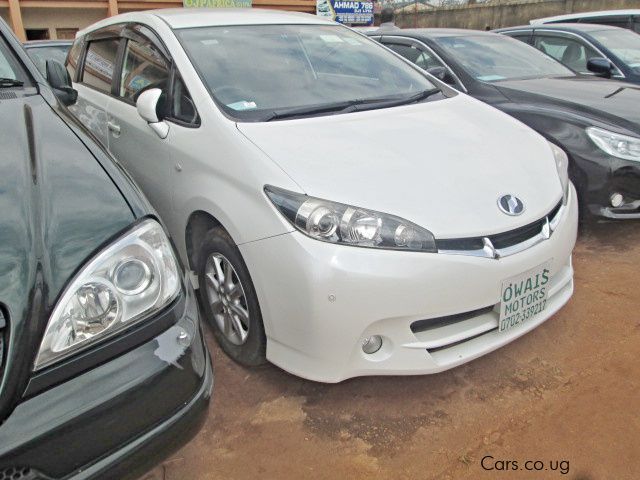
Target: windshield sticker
x,y
331,38
490,78
211,41
243,105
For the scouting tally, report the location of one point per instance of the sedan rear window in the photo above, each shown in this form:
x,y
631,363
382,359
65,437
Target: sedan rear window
x,y
253,70
491,58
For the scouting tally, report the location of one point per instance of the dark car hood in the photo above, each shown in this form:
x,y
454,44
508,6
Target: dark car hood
x,y
57,206
610,101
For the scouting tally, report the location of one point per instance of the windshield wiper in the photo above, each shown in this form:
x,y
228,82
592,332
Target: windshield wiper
x,y
376,103
349,106
303,111
10,82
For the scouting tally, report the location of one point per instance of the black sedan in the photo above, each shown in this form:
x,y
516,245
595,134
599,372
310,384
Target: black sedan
x,y
610,52
596,121
103,367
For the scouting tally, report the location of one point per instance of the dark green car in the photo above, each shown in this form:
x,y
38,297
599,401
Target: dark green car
x,y
103,367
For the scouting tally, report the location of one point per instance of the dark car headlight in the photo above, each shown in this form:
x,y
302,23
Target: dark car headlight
x,y
616,144
129,280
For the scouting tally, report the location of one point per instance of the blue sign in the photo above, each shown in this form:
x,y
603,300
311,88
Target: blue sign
x,y
347,12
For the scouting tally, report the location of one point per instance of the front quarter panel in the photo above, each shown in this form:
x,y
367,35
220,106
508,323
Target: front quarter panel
x,y
216,169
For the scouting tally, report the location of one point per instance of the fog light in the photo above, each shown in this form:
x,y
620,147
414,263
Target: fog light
x,y
372,344
617,200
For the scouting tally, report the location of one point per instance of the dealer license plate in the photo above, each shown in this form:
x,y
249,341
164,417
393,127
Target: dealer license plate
x,y
524,296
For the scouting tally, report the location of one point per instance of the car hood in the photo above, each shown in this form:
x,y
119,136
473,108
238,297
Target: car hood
x,y
603,100
57,206
442,165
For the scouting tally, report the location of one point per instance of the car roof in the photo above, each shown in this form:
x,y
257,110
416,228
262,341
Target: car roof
x,y
601,13
570,27
178,18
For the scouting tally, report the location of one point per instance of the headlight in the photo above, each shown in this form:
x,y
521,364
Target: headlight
x,y
562,164
129,280
338,223
615,144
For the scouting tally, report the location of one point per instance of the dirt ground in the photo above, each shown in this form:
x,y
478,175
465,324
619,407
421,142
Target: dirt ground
x,y
567,395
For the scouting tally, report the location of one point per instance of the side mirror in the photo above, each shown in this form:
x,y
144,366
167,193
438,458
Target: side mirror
x,y
60,80
600,66
147,104
442,74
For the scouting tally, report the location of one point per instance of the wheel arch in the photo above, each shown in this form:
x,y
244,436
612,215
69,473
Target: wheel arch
x,y
199,223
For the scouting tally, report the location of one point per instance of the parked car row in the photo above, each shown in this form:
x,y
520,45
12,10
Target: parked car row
x,y
594,120
340,211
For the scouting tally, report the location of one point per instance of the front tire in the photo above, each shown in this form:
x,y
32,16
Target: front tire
x,y
229,299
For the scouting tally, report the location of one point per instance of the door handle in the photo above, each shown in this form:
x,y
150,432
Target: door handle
x,y
114,128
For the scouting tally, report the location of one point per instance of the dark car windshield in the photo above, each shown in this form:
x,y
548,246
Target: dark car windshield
x,y
257,70
491,58
11,72
40,55
623,43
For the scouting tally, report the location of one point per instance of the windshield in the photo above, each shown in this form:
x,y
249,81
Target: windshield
x,y
491,58
255,70
623,43
40,55
11,75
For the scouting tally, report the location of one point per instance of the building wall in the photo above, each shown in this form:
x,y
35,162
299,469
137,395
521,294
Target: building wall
x,y
76,14
506,14
53,19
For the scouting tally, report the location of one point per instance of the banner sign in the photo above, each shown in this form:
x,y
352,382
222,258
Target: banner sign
x,y
217,3
347,12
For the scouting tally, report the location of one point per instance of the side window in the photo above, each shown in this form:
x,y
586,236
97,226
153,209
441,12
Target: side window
x,y
421,58
99,64
523,37
144,67
73,58
572,52
183,108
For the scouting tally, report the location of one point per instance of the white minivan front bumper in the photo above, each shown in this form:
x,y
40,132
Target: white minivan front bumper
x,y
319,301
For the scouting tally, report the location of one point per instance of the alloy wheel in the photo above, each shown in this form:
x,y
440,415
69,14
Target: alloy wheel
x,y
227,299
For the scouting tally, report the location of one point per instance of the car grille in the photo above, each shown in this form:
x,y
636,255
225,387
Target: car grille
x,y
505,243
441,335
20,473
432,324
